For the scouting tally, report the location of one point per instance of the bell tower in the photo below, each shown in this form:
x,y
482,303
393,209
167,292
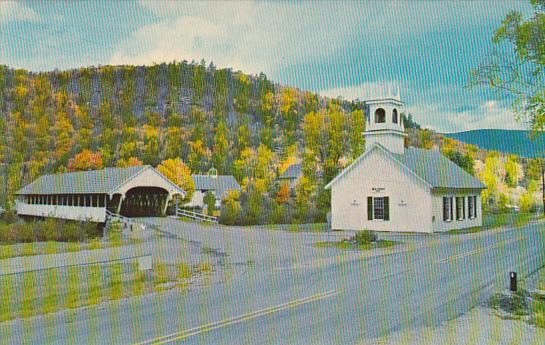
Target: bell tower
x,y
384,125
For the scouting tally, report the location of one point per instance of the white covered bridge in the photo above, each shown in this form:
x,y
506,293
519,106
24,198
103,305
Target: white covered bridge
x,y
132,192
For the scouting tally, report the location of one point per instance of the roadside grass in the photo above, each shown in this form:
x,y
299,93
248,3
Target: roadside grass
x,y
40,292
492,221
53,247
537,307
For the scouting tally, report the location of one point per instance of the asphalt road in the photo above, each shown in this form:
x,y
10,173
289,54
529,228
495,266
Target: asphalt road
x,y
279,289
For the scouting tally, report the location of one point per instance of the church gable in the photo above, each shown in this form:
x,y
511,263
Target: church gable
x,y
378,164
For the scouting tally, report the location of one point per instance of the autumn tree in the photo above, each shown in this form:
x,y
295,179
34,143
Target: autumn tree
x,y
85,160
176,171
513,171
129,162
357,127
516,66
335,143
220,150
464,161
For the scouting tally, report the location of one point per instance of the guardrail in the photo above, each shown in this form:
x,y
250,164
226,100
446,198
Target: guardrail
x,y
196,216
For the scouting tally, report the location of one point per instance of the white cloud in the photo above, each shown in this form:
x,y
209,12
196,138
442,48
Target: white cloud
x,y
368,90
488,115
11,11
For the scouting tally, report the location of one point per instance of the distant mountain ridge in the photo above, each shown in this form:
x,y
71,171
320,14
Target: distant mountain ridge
x,y
503,140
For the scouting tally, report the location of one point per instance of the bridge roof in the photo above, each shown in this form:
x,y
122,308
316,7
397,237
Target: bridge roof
x,y
105,181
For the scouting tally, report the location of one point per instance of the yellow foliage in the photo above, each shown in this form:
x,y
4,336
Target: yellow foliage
x,y
176,171
286,164
130,162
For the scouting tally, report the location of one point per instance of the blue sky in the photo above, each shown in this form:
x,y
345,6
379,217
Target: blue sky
x,y
348,49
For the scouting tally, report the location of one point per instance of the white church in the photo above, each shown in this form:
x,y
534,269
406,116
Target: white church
x,y
391,187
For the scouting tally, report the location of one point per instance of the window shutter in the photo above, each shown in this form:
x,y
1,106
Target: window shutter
x,y
463,207
386,208
451,208
369,208
445,210
475,206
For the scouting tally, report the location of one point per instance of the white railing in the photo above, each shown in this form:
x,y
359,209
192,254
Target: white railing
x,y
196,216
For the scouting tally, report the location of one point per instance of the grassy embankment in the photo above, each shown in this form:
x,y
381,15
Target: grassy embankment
x,y
46,291
55,236
493,221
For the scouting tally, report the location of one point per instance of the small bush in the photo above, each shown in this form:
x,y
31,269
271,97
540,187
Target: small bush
x,y
48,230
72,232
91,229
364,237
4,233
8,217
24,232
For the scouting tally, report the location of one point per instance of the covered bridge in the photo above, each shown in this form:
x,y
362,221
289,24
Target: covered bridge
x,y
134,191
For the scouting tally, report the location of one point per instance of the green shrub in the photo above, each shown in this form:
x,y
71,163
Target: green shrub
x,y
91,229
48,230
210,201
365,236
72,232
230,212
8,217
4,233
24,232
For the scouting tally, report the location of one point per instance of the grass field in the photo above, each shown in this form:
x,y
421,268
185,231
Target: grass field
x,y
54,247
46,291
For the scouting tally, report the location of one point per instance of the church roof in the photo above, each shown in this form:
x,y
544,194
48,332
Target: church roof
x,y
437,170
430,166
105,181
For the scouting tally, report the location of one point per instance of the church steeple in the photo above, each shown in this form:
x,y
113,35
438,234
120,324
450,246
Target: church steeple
x,y
385,125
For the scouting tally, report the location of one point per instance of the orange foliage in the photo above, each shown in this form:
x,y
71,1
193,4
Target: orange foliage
x,y
85,160
284,193
130,162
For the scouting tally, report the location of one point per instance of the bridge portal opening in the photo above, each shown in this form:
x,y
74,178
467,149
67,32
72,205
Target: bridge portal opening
x,y
144,202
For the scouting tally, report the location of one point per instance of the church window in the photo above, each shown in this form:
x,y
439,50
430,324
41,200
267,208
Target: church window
x,y
394,116
378,208
380,115
460,208
472,206
447,209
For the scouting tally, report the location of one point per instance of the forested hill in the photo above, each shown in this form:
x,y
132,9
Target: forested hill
x,y
206,116
508,141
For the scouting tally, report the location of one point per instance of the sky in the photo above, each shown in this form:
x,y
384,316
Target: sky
x,y
349,49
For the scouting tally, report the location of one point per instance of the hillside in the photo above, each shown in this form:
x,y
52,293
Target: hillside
x,y
210,118
506,141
